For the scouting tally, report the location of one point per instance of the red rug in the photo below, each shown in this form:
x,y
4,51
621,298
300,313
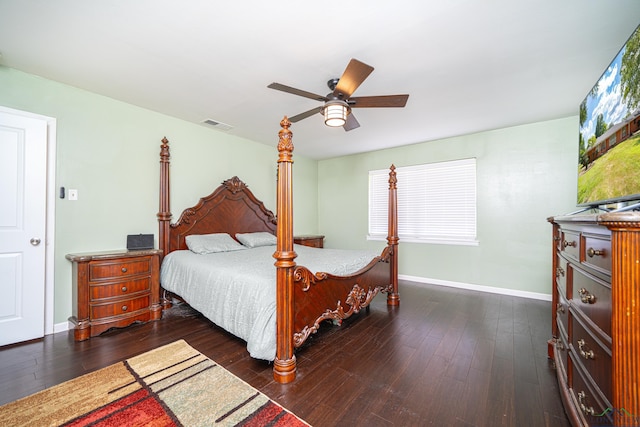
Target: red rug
x,y
173,385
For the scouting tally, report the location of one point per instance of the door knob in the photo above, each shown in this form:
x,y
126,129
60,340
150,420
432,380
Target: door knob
x,y
34,241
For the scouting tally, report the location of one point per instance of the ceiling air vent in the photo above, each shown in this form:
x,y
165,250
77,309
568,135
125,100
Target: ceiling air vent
x,y
218,125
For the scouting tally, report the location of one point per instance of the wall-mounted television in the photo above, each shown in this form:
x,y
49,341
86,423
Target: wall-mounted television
x,y
609,150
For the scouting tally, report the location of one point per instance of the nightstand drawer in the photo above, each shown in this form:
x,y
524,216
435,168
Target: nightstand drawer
x,y
120,289
110,269
99,311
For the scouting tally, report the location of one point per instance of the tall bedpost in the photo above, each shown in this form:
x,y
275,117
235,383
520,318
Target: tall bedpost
x,y
164,214
393,298
284,365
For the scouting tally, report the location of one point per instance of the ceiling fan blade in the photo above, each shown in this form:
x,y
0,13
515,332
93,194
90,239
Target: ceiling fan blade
x,y
351,123
353,76
306,114
378,101
294,91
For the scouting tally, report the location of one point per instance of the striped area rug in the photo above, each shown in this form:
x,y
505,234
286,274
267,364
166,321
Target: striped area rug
x,y
173,385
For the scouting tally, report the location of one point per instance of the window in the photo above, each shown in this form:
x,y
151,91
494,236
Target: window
x,y
436,203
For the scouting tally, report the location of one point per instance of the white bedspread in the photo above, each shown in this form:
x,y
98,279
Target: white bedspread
x,y
237,291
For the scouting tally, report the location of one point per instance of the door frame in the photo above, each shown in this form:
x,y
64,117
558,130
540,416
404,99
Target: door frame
x,y
49,327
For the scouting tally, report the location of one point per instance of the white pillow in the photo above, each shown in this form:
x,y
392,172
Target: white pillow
x,y
253,240
212,243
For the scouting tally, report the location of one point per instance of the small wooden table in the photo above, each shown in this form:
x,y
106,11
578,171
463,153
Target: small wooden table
x,y
315,241
114,289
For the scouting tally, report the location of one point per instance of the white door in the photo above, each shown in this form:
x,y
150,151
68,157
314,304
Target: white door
x,y
23,185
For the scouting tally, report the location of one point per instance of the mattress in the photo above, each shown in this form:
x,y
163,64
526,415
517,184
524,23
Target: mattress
x,y
237,290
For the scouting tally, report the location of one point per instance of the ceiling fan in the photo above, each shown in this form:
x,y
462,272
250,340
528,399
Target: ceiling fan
x,y
339,102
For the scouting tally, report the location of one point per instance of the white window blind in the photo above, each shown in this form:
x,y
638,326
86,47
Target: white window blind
x,y
436,202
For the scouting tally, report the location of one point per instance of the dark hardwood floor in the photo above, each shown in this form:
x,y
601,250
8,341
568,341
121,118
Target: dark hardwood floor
x,y
445,357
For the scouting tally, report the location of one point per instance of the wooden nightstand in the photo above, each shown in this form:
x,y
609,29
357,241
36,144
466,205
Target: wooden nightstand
x,y
315,241
114,289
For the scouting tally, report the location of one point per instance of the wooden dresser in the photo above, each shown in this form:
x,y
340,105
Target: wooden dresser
x,y
315,241
114,289
596,317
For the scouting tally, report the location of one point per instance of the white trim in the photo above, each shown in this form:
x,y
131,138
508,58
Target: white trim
x,y
62,327
49,259
51,226
480,288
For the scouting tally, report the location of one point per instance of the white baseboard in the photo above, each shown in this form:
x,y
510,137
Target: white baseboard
x,y
65,326
480,288
61,327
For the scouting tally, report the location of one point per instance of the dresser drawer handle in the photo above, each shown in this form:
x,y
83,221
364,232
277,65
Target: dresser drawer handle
x,y
124,289
560,307
559,272
595,252
586,297
585,354
559,345
125,308
573,244
123,269
587,410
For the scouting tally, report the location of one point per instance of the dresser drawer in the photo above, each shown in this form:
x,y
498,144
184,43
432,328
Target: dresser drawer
x,y
592,297
587,400
113,269
99,311
570,243
594,355
561,275
119,289
597,252
562,313
561,354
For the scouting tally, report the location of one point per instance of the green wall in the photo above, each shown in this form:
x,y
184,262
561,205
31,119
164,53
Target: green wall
x,y
109,151
525,174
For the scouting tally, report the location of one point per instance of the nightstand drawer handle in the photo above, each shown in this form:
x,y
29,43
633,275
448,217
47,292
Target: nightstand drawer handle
x,y
587,410
559,272
586,297
124,289
123,269
585,354
560,307
125,308
573,244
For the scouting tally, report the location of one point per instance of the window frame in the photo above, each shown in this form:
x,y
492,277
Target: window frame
x,y
439,185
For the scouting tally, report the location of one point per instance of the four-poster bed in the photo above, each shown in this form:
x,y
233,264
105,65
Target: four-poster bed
x,y
304,297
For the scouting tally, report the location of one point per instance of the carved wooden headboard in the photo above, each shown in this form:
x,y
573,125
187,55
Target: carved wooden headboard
x,y
231,208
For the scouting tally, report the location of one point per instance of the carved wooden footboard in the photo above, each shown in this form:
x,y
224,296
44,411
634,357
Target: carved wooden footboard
x,y
322,296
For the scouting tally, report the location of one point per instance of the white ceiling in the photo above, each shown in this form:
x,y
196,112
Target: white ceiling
x,y
468,65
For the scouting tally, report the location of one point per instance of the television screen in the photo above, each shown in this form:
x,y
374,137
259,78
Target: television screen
x,y
609,152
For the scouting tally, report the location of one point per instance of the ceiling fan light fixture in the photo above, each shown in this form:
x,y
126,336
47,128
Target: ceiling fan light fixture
x,y
335,113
